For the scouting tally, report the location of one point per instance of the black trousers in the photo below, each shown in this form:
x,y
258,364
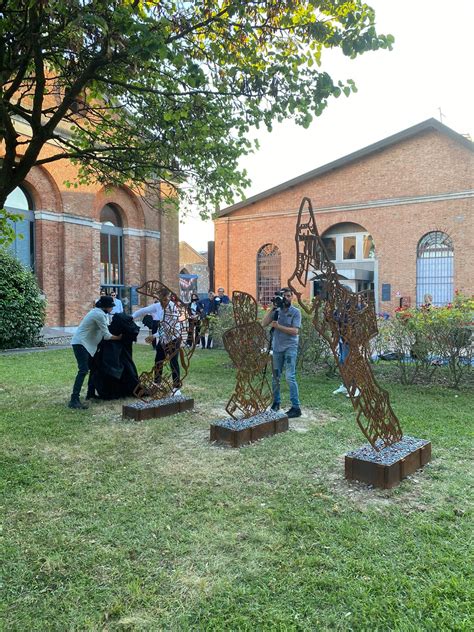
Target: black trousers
x,y
84,362
193,332
163,350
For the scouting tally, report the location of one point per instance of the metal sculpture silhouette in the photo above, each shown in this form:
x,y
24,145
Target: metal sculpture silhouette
x,y
158,383
347,317
247,346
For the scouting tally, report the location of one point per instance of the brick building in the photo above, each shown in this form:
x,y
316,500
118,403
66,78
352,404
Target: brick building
x,y
396,216
194,263
79,239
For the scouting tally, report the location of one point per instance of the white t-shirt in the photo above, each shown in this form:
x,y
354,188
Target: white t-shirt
x,y
118,309
155,310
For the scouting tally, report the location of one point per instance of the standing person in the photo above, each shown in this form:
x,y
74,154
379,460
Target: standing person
x,y
118,307
168,339
344,322
195,310
102,292
210,307
92,329
427,302
343,353
224,299
286,325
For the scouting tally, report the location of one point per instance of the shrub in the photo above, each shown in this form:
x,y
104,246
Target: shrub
x,y
425,338
22,308
218,325
450,332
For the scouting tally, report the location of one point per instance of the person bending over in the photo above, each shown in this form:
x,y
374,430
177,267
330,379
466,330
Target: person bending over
x,y
92,329
286,323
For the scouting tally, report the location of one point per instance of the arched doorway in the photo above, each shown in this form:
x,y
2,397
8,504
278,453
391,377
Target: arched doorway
x,y
352,250
111,247
23,246
435,268
268,273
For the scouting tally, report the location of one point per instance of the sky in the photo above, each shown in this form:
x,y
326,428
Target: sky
x,y
428,74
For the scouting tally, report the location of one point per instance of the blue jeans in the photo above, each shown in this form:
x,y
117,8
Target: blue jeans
x,y
286,359
343,351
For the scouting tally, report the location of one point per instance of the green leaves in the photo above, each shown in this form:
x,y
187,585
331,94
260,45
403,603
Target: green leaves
x,y
7,231
167,83
21,304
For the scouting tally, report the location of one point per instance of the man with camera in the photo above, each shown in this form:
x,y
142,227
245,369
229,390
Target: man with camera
x,y
285,321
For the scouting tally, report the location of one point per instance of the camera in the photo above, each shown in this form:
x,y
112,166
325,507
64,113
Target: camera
x,y
278,300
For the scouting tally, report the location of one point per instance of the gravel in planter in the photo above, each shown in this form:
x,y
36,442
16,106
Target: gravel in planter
x,y
158,402
390,454
249,422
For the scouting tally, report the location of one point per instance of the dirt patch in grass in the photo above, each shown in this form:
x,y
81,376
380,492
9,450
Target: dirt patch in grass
x,y
422,491
311,419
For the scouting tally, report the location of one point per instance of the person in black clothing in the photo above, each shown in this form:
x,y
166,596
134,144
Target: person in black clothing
x,y
195,311
210,307
114,373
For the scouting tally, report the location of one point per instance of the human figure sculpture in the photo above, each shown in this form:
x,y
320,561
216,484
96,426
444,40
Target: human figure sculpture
x,y
165,378
247,346
340,313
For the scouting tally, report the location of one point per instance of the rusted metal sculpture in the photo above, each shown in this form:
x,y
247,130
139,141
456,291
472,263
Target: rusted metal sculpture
x,y
158,383
344,316
247,346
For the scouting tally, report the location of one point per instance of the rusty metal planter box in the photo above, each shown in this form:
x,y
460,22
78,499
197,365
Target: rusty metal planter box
x,y
387,470
155,409
244,431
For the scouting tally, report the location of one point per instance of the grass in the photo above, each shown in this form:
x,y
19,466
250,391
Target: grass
x,y
114,525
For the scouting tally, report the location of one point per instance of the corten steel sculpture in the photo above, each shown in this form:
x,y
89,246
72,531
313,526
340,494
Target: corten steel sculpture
x,y
152,385
340,314
247,346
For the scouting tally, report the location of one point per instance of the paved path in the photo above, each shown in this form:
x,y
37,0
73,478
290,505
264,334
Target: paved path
x,y
60,338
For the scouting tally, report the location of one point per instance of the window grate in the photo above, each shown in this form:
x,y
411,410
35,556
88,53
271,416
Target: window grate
x,y
435,269
268,273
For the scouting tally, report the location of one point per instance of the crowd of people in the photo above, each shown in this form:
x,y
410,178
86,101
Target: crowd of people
x,y
201,313
102,343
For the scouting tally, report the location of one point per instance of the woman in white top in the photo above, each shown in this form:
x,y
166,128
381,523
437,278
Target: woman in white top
x,y
167,335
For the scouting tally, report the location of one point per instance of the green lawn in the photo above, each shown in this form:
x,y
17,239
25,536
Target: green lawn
x,y
117,525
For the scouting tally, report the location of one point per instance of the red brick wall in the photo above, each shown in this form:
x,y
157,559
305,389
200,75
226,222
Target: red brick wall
x,y
68,254
428,164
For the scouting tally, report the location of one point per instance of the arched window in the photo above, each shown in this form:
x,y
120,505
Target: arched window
x,y
268,273
435,268
20,203
111,247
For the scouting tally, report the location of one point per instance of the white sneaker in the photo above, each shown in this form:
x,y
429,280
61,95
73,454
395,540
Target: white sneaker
x,y
341,389
177,393
356,393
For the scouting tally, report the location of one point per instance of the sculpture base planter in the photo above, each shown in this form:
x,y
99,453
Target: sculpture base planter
x,y
387,467
235,433
157,408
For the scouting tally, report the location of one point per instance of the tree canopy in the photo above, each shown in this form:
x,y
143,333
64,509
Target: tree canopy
x,y
139,92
